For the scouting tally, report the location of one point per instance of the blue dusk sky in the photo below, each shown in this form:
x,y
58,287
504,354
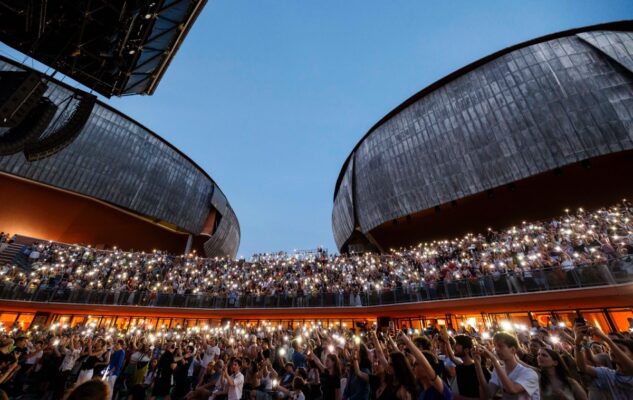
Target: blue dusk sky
x,y
270,96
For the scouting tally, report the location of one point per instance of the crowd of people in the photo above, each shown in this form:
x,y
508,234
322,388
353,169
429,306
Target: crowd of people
x,y
519,255
267,362
312,362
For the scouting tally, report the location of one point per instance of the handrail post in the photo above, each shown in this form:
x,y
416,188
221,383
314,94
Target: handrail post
x,y
34,293
607,269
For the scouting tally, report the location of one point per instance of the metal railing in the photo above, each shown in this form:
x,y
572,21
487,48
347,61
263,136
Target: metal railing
x,y
616,272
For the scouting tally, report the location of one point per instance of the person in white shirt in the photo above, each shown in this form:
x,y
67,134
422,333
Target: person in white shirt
x,y
514,380
234,381
33,356
35,254
211,352
70,356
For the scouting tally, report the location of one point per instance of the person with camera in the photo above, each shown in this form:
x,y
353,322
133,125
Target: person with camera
x,y
616,383
166,364
465,369
234,380
433,387
514,380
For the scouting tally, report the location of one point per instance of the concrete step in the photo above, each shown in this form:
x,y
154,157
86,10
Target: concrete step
x,y
8,253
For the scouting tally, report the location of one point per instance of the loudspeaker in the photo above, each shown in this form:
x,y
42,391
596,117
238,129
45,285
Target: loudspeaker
x,y
65,135
20,92
29,130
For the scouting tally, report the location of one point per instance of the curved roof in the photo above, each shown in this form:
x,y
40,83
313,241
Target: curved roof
x,y
624,25
529,109
118,160
114,110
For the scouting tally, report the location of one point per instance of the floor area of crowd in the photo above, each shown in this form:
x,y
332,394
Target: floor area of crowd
x,y
544,349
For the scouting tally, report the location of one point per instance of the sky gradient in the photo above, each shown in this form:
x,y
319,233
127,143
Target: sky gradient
x,y
270,96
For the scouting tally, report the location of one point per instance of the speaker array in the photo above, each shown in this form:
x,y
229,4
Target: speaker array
x,y
29,130
27,114
65,135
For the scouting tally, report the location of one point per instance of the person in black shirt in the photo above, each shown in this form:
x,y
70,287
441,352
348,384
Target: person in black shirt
x,y
51,361
166,365
92,353
20,349
380,383
266,353
467,382
181,383
330,375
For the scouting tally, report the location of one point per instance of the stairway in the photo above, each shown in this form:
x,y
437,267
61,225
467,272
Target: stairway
x,y
8,254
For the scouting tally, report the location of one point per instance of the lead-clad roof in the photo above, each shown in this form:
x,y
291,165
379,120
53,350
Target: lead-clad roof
x,y
529,109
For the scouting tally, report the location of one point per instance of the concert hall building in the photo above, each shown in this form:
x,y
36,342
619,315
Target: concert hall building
x,y
518,135
116,184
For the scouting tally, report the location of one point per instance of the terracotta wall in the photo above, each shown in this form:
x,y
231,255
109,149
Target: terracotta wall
x,y
39,211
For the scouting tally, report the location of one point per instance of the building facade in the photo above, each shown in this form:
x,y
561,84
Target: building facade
x,y
504,122
116,167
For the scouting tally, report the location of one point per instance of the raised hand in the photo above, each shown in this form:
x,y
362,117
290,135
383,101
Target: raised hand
x,y
477,354
355,354
484,352
443,336
579,333
594,331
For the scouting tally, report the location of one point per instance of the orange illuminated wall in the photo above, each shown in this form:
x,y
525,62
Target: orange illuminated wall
x,y
542,196
40,211
207,229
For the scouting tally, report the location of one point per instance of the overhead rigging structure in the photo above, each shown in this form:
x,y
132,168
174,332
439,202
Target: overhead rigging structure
x,y
113,47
